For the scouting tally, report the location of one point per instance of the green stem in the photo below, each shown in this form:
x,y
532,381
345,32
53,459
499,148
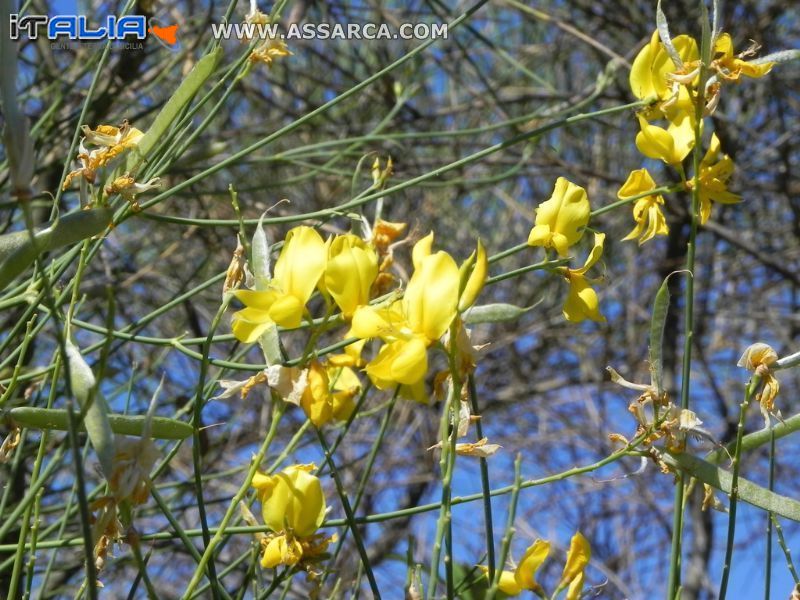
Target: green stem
x,y
374,518
362,484
768,554
674,580
83,504
485,484
234,504
787,553
197,457
505,546
734,493
349,516
448,434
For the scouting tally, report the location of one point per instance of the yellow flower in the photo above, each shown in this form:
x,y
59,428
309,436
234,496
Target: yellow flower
x,y
112,142
351,270
561,219
671,145
297,272
715,171
269,51
410,325
759,357
384,234
345,385
292,500
283,549
316,398
127,187
578,557
328,393
730,67
270,48
652,67
114,138
582,302
133,460
513,583
647,213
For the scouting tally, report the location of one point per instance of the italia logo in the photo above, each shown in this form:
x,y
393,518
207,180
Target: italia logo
x,y
77,28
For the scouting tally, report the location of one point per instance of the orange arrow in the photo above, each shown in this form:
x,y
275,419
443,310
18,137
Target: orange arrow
x,y
167,34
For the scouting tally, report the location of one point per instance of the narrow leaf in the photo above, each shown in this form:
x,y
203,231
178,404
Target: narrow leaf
x,y
757,439
715,31
663,33
161,428
94,407
171,110
259,249
657,324
720,479
781,56
493,313
706,34
18,250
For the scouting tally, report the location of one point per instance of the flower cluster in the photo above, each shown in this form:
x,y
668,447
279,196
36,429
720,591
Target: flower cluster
x,y
110,143
657,417
670,75
346,270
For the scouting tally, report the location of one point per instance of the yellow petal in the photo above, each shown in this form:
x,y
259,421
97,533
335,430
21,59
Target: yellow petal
x,y
594,255
650,220
295,500
533,558
750,69
582,302
476,280
261,481
578,557
682,134
316,401
421,250
576,587
345,385
431,299
369,322
248,324
539,235
635,232
287,311
508,583
648,72
561,219
253,299
351,270
670,145
648,77
281,551
723,46
638,182
713,152
301,263
655,142
403,361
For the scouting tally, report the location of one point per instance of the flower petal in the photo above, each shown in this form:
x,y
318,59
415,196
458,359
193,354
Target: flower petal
x,y
431,299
